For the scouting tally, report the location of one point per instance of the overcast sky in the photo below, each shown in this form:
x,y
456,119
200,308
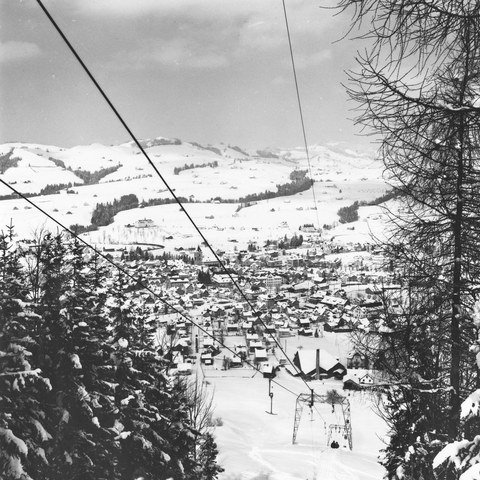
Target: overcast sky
x,y
201,70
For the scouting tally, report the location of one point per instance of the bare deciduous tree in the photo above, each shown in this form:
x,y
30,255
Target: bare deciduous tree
x,y
199,400
418,88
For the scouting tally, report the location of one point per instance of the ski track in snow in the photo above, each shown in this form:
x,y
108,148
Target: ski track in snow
x,y
327,466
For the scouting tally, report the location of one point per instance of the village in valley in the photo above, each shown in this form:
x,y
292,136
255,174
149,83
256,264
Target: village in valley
x,y
306,291
309,312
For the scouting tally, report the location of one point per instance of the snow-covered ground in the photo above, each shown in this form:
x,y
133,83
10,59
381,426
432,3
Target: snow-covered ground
x,y
256,445
341,178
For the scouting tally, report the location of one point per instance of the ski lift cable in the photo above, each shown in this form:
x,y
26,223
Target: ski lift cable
x,y
299,102
132,277
145,154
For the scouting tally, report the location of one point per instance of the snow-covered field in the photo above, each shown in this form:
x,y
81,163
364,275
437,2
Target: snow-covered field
x,y
252,442
341,178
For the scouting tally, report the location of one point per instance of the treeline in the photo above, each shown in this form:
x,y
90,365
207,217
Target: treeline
x,y
348,214
7,160
92,178
49,189
177,170
139,254
266,154
54,188
298,175
390,195
162,201
283,190
293,242
84,391
77,229
103,213
14,196
208,147
239,150
156,142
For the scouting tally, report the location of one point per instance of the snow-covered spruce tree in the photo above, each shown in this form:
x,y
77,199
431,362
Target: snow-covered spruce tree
x,y
91,370
418,88
414,415
460,459
151,420
207,459
75,354
22,432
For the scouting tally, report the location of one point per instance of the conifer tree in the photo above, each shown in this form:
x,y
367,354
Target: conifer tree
x,y
74,355
151,420
23,435
207,459
90,381
107,409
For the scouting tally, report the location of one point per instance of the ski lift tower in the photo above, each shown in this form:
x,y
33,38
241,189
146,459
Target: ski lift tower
x,y
310,399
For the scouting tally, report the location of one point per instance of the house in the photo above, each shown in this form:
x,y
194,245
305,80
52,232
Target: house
x,y
366,379
273,284
303,287
247,325
351,382
331,301
253,345
241,351
328,365
304,323
223,280
232,329
285,332
208,342
260,355
270,329
235,362
357,360
252,337
316,298
144,223
182,345
269,370
206,358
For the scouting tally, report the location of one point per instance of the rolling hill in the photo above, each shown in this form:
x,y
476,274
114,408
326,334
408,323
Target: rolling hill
x,y
69,182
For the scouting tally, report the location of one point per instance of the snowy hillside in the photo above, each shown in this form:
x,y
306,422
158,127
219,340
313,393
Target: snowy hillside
x,y
213,174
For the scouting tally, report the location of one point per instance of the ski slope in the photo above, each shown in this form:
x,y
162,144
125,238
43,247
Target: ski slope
x,y
254,445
